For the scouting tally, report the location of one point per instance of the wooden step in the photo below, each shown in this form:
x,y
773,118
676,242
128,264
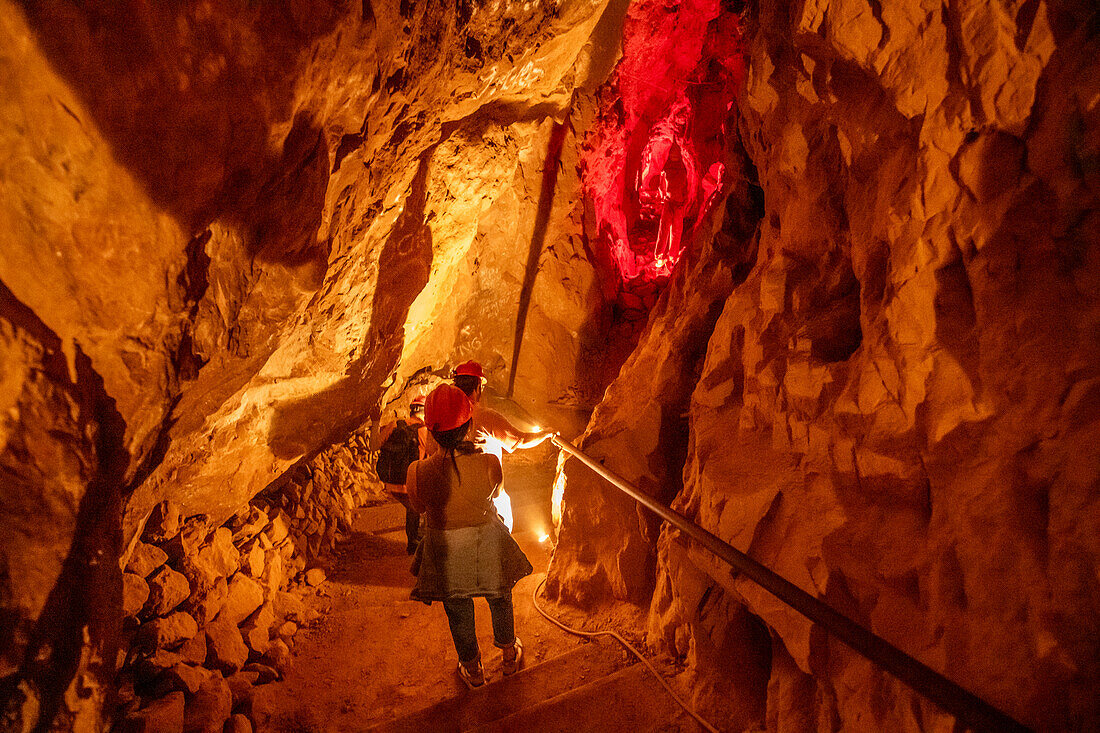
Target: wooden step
x,y
503,697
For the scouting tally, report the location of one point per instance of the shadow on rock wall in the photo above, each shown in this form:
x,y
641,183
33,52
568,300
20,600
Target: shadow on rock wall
x,y
44,629
403,269
188,95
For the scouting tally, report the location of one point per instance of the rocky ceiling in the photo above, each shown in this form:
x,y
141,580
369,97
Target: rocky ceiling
x,y
863,241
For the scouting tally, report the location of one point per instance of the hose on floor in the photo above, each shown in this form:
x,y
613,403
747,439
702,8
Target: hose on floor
x,y
591,634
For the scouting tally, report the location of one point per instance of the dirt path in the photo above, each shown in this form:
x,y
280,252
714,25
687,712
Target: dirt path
x,y
376,655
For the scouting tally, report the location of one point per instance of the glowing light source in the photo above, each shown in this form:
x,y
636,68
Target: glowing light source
x,y
503,504
559,490
543,537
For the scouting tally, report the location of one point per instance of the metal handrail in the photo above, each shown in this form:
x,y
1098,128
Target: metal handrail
x,y
969,709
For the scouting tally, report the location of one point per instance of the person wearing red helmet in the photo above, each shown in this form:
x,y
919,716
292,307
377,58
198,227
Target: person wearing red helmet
x,y
387,440
466,551
491,431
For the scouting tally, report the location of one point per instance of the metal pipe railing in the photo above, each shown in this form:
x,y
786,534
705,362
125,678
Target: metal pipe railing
x,y
969,709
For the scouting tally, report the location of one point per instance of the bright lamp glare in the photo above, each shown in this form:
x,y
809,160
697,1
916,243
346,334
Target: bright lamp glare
x,y
543,537
503,505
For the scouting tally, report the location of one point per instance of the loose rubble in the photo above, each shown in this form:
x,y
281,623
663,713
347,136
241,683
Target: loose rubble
x,y
213,611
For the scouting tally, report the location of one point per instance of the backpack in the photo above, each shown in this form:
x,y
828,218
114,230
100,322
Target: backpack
x,y
400,450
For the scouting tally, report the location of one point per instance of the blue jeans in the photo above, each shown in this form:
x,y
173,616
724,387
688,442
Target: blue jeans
x,y
460,616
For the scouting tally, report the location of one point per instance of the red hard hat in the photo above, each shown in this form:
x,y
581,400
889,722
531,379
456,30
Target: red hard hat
x,y
446,408
418,400
470,369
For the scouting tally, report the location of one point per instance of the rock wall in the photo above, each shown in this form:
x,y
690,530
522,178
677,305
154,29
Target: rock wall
x,y
896,409
215,223
212,611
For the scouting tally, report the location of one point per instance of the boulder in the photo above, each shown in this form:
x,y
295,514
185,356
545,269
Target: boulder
x,y
257,629
208,567
264,672
289,606
246,527
253,561
210,707
135,592
186,678
164,715
189,539
215,558
207,601
279,528
238,723
226,650
167,589
163,523
278,656
287,630
274,576
193,650
157,663
240,684
168,632
315,576
245,596
145,559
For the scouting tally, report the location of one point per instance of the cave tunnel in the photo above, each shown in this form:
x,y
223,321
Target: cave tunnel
x,y
819,279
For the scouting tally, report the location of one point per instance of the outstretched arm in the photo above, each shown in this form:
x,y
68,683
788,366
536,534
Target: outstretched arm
x,y
530,440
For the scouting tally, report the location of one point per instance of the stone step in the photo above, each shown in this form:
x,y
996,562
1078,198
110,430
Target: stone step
x,y
504,697
627,700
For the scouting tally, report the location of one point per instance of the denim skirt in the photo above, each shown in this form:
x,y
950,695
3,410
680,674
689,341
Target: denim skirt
x,y
468,562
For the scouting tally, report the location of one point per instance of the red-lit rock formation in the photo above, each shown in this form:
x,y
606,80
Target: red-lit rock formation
x,y
897,409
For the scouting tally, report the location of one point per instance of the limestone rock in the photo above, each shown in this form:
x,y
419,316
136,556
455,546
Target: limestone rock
x,y
240,684
247,526
264,673
193,651
164,715
257,628
163,523
274,576
209,709
245,596
278,529
145,559
186,678
238,723
315,576
135,591
167,589
253,560
287,630
278,656
207,568
159,661
207,600
218,557
226,650
186,542
290,607
168,632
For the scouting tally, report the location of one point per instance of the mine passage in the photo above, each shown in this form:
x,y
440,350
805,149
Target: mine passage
x,y
557,365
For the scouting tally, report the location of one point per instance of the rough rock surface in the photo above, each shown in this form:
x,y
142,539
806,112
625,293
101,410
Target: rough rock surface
x,y
224,227
164,715
234,234
896,409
